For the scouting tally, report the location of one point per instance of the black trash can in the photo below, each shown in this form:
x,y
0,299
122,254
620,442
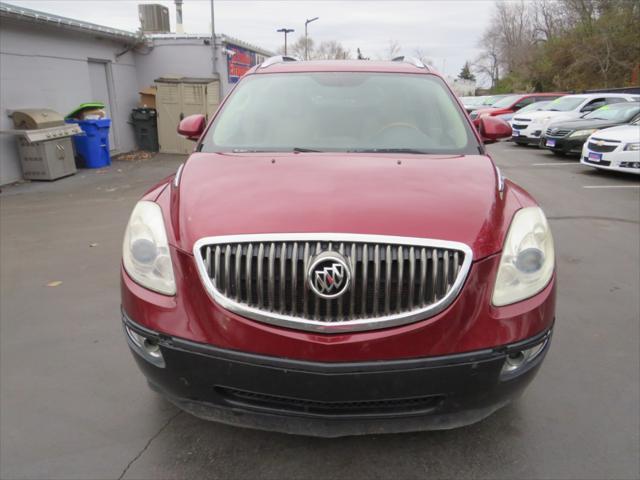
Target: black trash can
x,y
145,124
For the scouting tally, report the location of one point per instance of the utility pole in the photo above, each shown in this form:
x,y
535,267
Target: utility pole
x,y
213,39
306,37
286,32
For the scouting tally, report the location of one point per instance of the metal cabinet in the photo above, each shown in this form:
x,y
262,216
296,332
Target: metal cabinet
x,y
178,97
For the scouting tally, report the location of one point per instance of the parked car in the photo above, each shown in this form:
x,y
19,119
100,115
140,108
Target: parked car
x,y
472,102
569,136
486,102
528,129
510,104
616,148
532,107
339,256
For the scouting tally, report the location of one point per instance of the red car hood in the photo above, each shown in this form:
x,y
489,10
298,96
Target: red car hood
x,y
439,197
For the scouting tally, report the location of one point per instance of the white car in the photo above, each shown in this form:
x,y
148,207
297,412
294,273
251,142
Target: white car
x,y
616,148
529,128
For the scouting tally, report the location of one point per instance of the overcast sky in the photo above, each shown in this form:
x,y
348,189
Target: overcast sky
x,y
448,31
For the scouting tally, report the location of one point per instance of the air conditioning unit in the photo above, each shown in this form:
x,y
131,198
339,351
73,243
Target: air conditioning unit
x,y
154,18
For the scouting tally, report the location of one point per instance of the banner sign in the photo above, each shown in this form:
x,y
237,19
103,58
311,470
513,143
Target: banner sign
x,y
239,62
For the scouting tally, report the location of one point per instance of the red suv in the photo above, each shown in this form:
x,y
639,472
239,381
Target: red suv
x,y
511,104
338,256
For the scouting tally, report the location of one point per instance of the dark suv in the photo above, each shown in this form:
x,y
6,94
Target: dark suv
x,y
339,255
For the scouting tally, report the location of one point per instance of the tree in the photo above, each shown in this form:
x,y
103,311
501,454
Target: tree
x,y
330,50
561,44
297,48
465,73
421,55
392,51
488,63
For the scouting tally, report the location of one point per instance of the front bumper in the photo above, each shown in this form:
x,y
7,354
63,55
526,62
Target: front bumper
x,y
564,144
618,160
331,399
530,134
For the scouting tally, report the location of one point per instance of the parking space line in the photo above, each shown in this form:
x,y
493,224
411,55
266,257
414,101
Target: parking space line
x,y
611,186
554,164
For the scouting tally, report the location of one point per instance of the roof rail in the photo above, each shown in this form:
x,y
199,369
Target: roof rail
x,y
277,59
412,60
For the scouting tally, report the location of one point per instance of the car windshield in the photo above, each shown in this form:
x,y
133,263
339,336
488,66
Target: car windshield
x,y
617,112
491,100
534,107
345,112
565,104
507,101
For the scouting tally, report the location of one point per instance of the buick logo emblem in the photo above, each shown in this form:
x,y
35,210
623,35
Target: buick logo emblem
x,y
329,275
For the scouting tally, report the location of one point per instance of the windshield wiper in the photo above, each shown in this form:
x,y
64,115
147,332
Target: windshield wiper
x,y
389,150
303,150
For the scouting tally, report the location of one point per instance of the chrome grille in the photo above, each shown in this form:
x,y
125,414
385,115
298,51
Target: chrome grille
x,y
394,280
558,133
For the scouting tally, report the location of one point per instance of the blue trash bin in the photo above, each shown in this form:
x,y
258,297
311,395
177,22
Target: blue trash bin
x,y
92,147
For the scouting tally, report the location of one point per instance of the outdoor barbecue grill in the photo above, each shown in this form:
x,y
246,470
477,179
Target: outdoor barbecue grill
x,y
44,143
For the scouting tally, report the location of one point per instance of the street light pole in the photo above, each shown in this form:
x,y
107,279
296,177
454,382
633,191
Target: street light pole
x,y
286,31
306,37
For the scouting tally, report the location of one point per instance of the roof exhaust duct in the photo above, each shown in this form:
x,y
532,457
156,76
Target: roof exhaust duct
x,y
179,27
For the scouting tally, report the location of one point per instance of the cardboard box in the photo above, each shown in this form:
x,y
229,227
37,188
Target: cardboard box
x,y
148,97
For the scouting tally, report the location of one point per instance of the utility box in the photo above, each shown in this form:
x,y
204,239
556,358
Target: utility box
x,y
44,143
178,97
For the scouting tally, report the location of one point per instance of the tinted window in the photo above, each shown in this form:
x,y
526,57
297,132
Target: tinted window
x,y
594,104
338,111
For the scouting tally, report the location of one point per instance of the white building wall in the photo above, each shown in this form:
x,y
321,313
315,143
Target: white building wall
x,y
47,67
186,57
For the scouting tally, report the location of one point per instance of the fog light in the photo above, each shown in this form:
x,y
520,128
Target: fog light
x,y
519,359
630,164
147,348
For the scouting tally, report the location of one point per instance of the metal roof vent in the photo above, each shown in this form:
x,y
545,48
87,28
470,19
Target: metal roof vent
x,y
154,18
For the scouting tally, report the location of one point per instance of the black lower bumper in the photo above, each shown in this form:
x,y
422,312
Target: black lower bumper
x,y
526,140
564,145
334,399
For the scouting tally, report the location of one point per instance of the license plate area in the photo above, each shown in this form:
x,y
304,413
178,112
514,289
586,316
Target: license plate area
x,y
594,157
550,142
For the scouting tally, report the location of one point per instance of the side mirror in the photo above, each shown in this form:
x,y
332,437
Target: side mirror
x,y
192,126
493,129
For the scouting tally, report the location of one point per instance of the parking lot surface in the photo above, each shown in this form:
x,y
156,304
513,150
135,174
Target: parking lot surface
x,y
73,404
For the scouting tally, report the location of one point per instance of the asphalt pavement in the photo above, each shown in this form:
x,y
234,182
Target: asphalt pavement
x,y
73,404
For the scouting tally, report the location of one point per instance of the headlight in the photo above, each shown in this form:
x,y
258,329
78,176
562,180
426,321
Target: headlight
x,y
145,250
583,133
634,147
527,261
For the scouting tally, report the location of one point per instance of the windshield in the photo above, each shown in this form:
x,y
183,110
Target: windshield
x,y
472,100
336,111
507,101
534,107
491,100
618,112
565,104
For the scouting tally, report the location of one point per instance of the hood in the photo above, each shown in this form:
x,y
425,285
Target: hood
x,y
551,115
440,197
582,124
622,133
